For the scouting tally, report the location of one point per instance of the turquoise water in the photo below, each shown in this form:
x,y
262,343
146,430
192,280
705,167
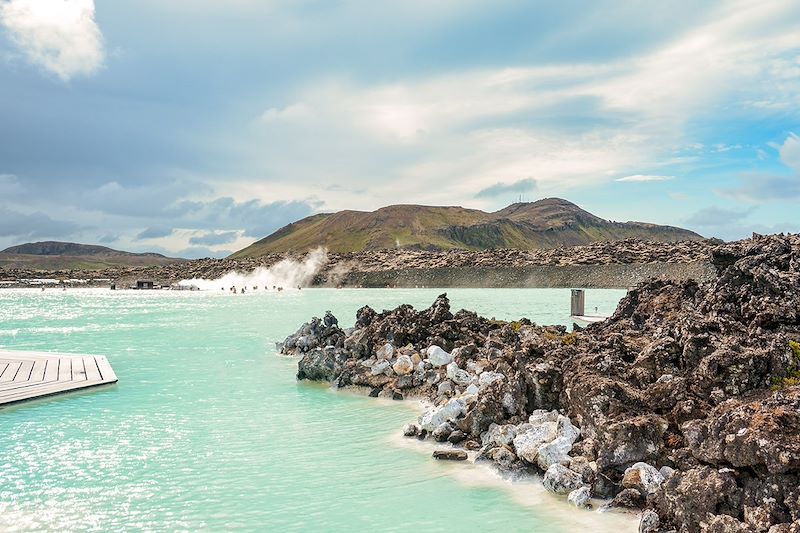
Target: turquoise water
x,y
208,430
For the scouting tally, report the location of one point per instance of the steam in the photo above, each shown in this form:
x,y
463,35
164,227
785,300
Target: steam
x,y
287,274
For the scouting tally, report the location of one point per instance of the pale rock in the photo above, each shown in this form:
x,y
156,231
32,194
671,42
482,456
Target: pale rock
x,y
509,404
444,388
438,357
380,367
403,365
487,378
459,377
385,352
474,367
581,497
434,417
540,416
528,442
666,472
567,430
472,389
416,358
554,452
650,522
561,480
499,435
642,477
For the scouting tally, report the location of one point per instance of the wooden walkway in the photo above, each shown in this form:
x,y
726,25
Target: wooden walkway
x,y
30,375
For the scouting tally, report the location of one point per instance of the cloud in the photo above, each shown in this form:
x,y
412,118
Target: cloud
x,y
500,189
155,233
60,36
760,188
714,217
568,122
756,187
254,217
199,252
289,113
33,225
108,238
790,152
645,177
215,238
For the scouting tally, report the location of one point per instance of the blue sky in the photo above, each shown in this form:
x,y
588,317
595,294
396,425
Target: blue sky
x,y
194,127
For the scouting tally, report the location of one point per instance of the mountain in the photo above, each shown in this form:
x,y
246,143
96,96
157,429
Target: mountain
x,y
52,255
548,223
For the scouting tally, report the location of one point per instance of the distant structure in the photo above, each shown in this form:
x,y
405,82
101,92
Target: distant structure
x,y
145,284
577,305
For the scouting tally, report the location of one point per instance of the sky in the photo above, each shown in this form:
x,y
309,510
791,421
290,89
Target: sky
x,y
195,127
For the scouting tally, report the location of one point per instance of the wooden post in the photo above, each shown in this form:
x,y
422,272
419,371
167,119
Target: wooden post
x,y
576,307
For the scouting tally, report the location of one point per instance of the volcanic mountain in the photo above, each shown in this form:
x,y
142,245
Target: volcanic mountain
x,y
52,255
548,223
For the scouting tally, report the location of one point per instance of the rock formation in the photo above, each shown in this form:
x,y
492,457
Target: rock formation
x,y
684,403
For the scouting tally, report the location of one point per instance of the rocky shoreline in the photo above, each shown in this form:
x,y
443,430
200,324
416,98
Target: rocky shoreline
x,y
684,405
618,264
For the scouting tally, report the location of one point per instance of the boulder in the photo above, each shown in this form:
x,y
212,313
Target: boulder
x,y
450,455
385,352
380,367
317,365
436,416
642,477
554,452
649,522
438,357
457,375
581,497
499,435
561,480
411,430
403,365
528,440
442,432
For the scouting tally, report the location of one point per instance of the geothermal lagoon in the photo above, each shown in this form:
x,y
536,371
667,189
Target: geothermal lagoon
x,y
208,429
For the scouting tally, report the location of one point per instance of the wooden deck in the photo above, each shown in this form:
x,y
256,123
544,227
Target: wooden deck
x,y
31,375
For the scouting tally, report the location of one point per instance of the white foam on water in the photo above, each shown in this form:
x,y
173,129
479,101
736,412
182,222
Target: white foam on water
x,y
287,274
524,490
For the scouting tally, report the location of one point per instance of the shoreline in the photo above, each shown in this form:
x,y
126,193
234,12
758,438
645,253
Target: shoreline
x,y
597,276
524,488
684,404
618,264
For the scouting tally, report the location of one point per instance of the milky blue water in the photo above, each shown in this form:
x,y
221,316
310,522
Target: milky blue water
x,y
208,429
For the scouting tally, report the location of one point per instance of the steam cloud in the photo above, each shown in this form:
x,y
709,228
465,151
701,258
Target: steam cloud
x,y
287,273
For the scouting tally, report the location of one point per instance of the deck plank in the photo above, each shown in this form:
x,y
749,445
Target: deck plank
x,y
30,375
24,372
11,371
65,369
92,372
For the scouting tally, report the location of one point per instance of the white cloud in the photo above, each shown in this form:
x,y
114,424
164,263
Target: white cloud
x,y
293,112
564,125
645,177
790,152
60,36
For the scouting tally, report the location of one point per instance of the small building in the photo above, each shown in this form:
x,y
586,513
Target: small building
x,y
145,284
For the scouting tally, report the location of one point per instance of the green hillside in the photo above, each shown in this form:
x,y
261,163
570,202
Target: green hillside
x,y
548,223
53,255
